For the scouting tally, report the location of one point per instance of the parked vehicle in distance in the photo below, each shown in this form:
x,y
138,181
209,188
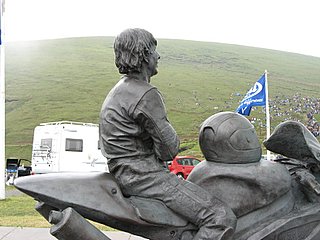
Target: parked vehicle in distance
x,y
15,168
182,165
67,147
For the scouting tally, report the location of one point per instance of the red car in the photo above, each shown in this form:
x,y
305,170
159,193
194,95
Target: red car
x,y
182,165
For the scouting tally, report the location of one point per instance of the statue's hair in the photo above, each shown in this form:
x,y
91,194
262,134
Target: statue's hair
x,y
131,47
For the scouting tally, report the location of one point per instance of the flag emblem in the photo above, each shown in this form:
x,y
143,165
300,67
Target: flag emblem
x,y
256,96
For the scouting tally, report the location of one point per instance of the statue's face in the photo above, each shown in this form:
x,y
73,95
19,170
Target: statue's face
x,y
153,62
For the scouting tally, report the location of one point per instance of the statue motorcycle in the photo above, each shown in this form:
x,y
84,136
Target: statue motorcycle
x,y
278,199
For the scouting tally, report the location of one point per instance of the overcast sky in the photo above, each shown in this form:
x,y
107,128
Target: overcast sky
x,y
288,25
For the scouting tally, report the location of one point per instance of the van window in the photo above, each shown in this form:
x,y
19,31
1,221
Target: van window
x,y
46,143
74,145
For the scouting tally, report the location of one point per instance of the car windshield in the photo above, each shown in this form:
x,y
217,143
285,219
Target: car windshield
x,y
195,162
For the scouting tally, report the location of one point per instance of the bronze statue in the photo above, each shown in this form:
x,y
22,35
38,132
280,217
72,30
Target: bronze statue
x,y
137,138
233,194
268,202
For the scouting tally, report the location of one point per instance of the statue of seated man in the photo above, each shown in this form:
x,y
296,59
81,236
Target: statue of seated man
x,y
137,138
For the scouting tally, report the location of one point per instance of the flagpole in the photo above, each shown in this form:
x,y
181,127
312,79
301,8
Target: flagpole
x,y
2,107
267,110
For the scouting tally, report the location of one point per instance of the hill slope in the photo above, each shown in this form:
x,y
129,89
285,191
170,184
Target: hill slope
x,y
67,79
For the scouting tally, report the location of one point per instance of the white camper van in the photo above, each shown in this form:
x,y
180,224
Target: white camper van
x,y
67,147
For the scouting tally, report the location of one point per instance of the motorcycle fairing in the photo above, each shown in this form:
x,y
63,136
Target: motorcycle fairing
x,y
97,196
292,139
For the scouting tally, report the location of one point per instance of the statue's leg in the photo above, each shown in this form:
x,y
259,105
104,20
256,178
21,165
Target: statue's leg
x,y
214,218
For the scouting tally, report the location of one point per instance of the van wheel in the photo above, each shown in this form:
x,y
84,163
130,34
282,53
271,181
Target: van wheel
x,y
180,175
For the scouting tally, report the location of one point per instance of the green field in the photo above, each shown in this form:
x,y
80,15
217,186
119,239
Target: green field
x,y
18,211
67,79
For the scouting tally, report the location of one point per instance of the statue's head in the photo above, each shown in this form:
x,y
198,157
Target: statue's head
x,y
131,48
229,137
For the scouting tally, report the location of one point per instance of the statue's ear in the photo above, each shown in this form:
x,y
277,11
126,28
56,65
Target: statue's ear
x,y
146,55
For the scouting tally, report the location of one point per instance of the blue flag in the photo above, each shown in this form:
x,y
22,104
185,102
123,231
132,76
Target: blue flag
x,y
256,96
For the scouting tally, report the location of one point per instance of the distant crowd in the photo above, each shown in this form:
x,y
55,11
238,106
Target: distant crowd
x,y
313,125
291,108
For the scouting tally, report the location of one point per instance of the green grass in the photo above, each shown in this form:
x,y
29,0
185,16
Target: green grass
x,y
18,211
20,151
67,79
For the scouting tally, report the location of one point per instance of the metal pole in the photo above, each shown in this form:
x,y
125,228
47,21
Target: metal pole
x,y
2,107
267,110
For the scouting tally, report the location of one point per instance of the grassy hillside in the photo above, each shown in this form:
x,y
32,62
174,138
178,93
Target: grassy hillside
x,y
67,79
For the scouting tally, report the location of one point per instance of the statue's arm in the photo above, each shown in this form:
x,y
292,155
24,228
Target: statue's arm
x,y
150,114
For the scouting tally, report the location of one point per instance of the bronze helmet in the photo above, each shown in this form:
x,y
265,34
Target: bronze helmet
x,y
229,137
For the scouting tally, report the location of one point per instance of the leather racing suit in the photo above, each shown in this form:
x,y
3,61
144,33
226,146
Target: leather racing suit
x,y
136,138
